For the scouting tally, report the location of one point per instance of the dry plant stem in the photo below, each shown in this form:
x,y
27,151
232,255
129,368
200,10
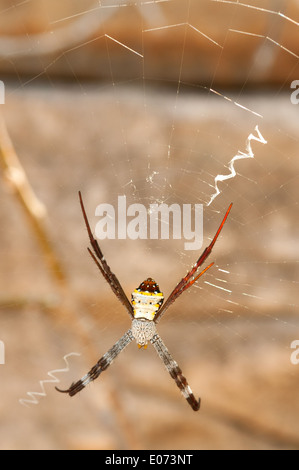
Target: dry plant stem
x,y
69,311
33,208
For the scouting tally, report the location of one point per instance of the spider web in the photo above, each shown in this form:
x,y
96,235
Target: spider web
x,y
192,103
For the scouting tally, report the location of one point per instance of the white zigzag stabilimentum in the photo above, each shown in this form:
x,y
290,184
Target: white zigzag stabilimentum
x,y
240,156
55,380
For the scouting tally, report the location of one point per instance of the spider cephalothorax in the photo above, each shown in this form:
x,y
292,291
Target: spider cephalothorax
x,y
143,331
146,310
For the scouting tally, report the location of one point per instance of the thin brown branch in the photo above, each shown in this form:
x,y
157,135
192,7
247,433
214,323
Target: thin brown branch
x,y
69,311
35,211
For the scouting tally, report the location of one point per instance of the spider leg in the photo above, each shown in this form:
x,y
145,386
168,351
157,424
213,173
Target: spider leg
x,y
101,365
176,294
100,261
189,279
175,372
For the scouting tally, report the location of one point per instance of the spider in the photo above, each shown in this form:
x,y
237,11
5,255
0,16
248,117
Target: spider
x,y
146,310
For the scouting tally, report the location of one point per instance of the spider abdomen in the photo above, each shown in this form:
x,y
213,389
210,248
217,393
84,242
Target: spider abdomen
x,y
147,299
143,331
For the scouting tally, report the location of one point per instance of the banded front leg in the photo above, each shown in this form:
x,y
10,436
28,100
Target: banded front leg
x,y
175,372
101,365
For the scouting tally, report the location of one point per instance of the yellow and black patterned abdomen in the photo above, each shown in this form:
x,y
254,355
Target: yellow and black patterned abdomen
x,y
147,300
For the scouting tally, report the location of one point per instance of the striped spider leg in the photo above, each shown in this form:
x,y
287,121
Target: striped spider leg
x,y
146,308
100,366
191,276
101,263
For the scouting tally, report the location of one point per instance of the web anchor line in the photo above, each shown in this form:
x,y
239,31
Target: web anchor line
x,y
240,156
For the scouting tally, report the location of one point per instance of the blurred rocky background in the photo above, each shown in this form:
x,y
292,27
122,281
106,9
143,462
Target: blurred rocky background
x,y
151,100
68,39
